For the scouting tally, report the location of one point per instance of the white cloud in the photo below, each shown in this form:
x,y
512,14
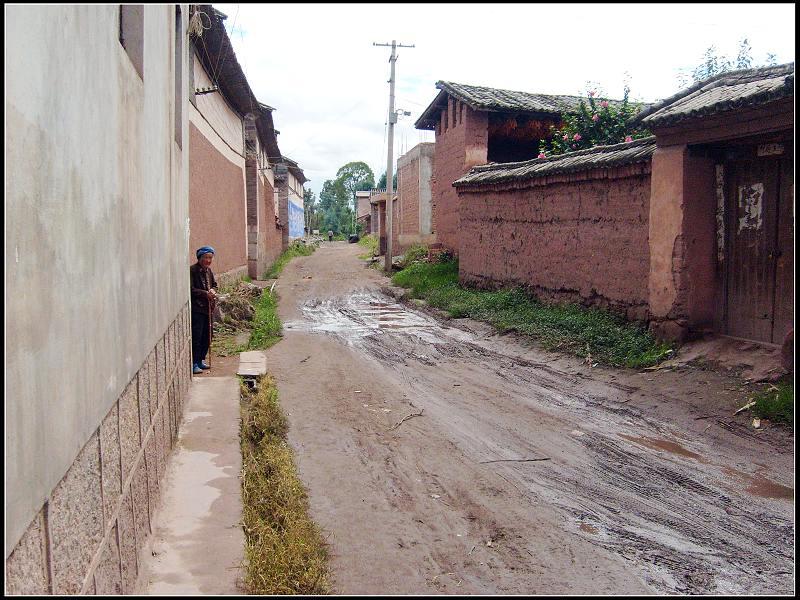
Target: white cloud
x,y
315,63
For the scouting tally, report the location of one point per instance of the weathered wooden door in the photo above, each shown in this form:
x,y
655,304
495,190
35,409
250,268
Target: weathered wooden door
x,y
759,278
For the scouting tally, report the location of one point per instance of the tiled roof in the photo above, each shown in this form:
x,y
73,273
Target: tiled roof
x,y
497,100
727,91
594,158
215,52
487,98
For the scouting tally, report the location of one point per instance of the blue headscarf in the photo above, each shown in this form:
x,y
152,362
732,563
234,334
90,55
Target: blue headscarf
x,y
204,250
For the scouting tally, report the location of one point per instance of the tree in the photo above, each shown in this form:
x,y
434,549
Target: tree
x,y
382,181
354,177
311,210
596,123
712,63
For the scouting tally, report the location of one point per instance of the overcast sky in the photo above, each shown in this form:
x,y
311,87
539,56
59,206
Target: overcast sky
x,y
315,63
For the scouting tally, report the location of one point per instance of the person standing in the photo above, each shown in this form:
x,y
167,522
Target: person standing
x,y
330,235
204,297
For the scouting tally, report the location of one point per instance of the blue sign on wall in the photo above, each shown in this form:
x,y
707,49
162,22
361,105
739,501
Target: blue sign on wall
x,y
296,220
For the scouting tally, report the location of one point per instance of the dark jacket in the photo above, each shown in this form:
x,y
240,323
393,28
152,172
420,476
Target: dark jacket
x,y
201,280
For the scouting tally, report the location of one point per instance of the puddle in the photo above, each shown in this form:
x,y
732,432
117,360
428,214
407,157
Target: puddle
x,y
760,486
368,313
671,447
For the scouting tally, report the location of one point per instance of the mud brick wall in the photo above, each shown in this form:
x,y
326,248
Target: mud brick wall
x,y
269,235
461,143
568,238
87,537
216,204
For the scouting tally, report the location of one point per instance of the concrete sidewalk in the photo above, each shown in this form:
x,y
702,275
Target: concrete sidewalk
x,y
197,545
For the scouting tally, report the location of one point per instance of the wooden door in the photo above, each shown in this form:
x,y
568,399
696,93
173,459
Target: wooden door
x,y
752,195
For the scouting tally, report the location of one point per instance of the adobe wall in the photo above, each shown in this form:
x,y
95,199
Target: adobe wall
x,y
685,289
216,204
461,143
571,238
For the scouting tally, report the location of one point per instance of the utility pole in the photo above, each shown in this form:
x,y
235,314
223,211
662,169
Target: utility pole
x,y
387,263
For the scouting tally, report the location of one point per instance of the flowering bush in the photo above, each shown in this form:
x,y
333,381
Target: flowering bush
x,y
596,123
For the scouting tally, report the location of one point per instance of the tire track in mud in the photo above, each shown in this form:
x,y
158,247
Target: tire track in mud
x,y
661,509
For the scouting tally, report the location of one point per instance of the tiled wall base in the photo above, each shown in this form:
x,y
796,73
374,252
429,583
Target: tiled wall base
x,y
86,537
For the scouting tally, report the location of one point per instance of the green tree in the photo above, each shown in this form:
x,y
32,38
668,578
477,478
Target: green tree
x,y
597,122
713,63
382,181
311,209
353,177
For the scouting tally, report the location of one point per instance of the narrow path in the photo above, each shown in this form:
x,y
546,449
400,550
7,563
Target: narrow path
x,y
197,543
443,458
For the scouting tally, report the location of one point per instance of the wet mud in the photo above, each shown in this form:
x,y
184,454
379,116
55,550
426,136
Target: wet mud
x,y
677,507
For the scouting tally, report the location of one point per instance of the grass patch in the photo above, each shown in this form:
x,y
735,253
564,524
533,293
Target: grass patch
x,y
294,249
776,403
370,242
593,334
267,327
284,549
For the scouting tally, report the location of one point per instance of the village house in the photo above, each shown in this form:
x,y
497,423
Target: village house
x,y
234,191
722,207
364,211
97,310
295,181
477,125
690,229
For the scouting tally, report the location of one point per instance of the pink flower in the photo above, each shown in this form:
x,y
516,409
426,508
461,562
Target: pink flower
x,y
596,117
541,155
591,94
628,138
604,104
576,137
566,137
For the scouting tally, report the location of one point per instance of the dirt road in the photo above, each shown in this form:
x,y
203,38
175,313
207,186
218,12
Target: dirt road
x,y
443,458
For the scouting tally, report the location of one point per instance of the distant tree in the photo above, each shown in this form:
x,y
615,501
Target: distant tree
x,y
354,177
712,63
310,208
382,181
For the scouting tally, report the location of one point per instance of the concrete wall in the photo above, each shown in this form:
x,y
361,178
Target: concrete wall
x,y
579,237
97,329
461,143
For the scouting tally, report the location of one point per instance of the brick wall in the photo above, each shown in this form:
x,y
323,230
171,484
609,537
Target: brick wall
x,y
87,537
571,238
408,197
461,143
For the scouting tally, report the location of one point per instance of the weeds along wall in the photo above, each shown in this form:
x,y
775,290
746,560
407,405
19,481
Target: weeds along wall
x,y
578,237
97,305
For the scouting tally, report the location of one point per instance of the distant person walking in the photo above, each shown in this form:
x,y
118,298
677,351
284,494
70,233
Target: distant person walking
x,y
204,298
330,235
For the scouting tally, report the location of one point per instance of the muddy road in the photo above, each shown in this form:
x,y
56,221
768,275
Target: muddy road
x,y
441,457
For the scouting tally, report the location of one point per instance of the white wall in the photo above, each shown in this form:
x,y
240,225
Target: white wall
x,y
96,229
217,112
